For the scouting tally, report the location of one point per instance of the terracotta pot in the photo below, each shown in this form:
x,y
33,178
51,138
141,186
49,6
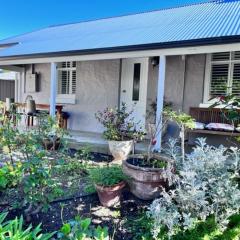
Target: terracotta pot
x,y
110,196
120,149
145,183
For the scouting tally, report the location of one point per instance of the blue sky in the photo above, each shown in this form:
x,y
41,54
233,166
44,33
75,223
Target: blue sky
x,y
20,16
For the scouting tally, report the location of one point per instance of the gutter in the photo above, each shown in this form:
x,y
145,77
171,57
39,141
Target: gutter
x,y
130,48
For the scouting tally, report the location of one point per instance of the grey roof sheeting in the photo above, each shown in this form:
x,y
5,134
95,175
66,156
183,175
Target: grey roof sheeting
x,y
210,22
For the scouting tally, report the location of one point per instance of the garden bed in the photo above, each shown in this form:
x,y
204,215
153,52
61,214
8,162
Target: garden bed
x,y
89,206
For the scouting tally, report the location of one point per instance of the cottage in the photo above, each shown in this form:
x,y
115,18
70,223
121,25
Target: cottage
x,y
183,56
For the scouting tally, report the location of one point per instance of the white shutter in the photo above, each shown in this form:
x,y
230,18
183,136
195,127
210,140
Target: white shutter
x,y
74,81
236,55
219,80
236,79
64,82
67,78
224,56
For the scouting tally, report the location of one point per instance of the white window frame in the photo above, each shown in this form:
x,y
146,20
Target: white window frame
x,y
207,82
69,98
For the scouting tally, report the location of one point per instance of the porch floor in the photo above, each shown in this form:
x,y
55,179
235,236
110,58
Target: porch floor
x,y
97,142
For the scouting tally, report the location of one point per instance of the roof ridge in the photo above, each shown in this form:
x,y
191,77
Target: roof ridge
x,y
137,13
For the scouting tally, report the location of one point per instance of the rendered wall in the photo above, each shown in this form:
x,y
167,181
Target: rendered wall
x,y
97,88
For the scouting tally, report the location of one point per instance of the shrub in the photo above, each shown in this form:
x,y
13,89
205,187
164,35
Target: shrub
x,y
82,229
106,176
205,186
10,176
119,123
14,230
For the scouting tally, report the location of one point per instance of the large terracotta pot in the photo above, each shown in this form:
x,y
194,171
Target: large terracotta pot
x,y
110,196
145,183
120,149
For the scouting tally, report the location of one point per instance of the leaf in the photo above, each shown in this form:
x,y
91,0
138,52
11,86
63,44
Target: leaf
x,y
66,228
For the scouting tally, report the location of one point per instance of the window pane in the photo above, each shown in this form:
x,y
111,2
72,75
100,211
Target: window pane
x,y
136,81
219,80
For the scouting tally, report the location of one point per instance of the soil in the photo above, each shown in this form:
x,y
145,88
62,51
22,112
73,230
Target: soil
x,y
89,206
142,162
94,156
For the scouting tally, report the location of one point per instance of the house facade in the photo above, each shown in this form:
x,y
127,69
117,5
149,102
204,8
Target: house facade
x,y
182,56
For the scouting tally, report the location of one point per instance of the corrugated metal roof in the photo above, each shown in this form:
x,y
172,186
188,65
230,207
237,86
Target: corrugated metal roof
x,y
194,22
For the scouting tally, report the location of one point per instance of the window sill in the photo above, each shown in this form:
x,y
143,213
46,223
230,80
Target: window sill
x,y
66,99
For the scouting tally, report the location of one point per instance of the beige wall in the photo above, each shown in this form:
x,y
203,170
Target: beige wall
x,y
97,88
185,90
43,95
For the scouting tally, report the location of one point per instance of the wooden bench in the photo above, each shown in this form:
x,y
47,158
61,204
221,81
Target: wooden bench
x,y
212,115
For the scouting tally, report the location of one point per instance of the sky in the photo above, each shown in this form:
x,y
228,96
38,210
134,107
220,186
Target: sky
x,y
21,16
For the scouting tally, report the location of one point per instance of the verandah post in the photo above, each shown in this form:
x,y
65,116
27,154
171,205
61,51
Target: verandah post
x,y
53,91
160,100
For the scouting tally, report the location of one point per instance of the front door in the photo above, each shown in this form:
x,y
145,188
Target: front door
x,y
134,87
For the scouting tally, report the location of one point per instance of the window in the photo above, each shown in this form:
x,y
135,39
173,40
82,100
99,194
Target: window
x,y
136,81
223,75
67,78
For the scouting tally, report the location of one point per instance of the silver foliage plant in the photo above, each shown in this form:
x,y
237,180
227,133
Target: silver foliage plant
x,y
205,185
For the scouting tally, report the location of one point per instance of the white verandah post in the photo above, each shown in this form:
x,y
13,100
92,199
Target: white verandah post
x,y
53,91
160,99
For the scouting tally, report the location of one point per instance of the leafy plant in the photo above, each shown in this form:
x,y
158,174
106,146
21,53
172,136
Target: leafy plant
x,y
9,135
38,186
81,229
120,124
141,228
14,230
205,186
184,121
106,176
10,176
49,133
84,153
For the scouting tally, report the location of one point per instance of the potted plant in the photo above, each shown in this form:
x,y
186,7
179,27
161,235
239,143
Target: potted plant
x,y
50,134
108,182
148,172
121,130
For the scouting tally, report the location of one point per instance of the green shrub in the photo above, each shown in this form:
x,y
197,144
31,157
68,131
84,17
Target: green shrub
x,y
81,229
106,176
141,227
14,230
10,176
120,124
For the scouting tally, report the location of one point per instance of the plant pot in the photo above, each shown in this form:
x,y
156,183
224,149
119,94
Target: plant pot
x,y
145,182
110,196
51,145
30,107
120,149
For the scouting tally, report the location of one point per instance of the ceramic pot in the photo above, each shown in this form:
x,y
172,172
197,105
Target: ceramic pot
x,y
120,149
110,196
145,182
30,107
9,102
